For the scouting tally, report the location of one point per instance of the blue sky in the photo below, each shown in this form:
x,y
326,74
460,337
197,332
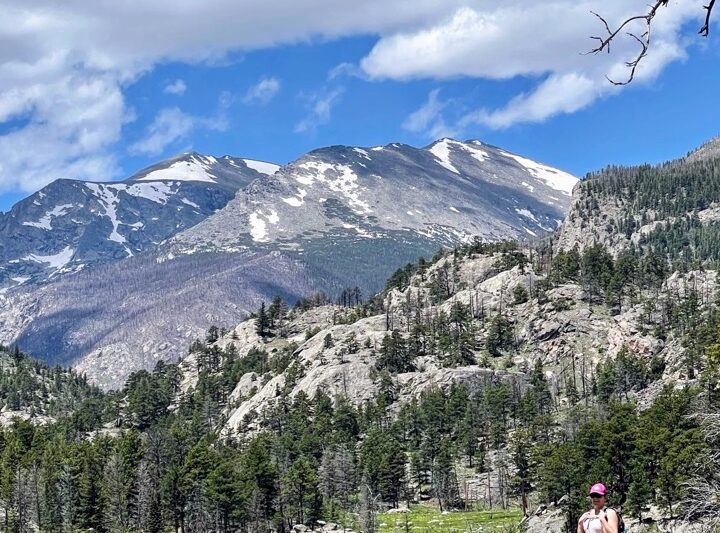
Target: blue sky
x,y
130,93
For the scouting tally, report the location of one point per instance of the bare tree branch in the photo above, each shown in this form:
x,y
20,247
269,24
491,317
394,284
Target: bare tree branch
x,y
705,30
603,43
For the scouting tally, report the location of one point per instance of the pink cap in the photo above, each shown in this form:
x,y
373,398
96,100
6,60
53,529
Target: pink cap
x,y
598,488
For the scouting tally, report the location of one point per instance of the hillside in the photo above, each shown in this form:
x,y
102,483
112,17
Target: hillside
x,y
492,375
31,390
672,208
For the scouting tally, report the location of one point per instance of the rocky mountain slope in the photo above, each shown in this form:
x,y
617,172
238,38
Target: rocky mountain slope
x,y
127,315
447,192
336,217
673,208
492,330
72,225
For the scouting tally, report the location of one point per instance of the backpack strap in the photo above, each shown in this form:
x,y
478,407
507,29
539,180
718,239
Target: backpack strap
x,y
621,524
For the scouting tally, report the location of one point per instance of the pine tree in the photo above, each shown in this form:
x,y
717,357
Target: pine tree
x,y
262,322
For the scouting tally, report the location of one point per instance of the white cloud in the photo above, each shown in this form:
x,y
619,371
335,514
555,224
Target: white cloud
x,y
347,69
564,93
320,107
69,123
64,65
534,39
177,88
172,125
264,91
428,119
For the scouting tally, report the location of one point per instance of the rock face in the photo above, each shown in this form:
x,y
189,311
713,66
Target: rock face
x,y
346,369
547,519
673,205
709,150
327,351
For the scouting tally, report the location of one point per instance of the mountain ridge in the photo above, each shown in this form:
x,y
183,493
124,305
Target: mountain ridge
x,y
336,217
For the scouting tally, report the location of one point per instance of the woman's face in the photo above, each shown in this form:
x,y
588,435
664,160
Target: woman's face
x,y
598,500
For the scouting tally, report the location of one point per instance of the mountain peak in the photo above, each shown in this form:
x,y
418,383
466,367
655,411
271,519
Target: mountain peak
x,y
193,166
190,166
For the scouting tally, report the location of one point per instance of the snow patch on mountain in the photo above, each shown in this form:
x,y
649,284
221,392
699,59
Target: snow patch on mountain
x,y
262,166
155,192
273,217
296,202
360,231
555,179
46,221
57,260
527,214
258,228
195,168
338,178
441,151
109,200
363,153
191,204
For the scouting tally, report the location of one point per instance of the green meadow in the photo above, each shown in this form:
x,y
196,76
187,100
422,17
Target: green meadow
x,y
427,519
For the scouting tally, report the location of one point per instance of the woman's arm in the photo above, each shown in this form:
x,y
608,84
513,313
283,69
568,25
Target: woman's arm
x,y
609,521
581,528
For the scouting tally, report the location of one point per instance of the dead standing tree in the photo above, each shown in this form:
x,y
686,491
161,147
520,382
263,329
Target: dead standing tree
x,y
702,500
643,38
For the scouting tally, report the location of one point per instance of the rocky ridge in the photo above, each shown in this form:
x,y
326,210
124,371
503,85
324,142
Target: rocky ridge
x,y
672,206
446,193
565,332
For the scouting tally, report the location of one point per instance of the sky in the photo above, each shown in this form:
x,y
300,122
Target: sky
x,y
98,90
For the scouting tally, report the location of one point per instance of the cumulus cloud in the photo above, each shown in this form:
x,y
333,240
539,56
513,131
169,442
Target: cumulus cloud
x,y
64,65
319,107
68,123
540,40
172,125
177,88
169,126
264,91
564,93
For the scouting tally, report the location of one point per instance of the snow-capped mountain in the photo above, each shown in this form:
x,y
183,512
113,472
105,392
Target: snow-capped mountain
x,y
387,197
197,240
70,224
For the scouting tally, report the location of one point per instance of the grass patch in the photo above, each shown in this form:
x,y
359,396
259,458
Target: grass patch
x,y
422,519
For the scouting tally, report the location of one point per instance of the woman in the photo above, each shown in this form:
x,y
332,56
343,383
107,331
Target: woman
x,y
600,519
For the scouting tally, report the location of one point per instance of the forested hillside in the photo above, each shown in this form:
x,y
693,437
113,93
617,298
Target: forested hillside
x,y
489,376
34,390
673,208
